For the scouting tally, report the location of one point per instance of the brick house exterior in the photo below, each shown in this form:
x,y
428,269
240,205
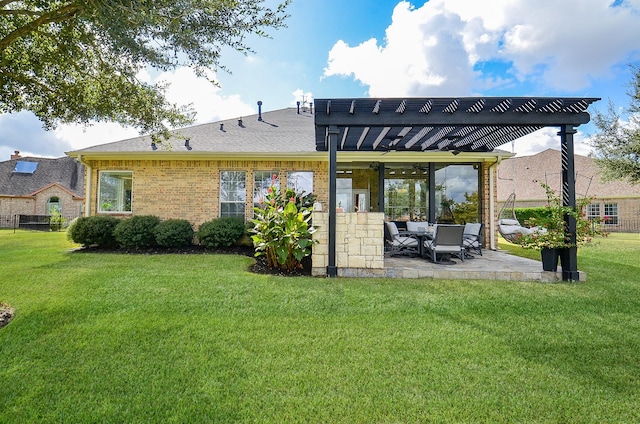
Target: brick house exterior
x,y
619,201
32,186
182,178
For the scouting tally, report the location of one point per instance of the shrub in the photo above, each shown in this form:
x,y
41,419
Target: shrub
x,y
137,232
221,232
282,231
174,233
71,227
94,231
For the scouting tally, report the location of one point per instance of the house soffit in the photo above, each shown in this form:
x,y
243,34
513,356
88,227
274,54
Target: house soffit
x,y
458,125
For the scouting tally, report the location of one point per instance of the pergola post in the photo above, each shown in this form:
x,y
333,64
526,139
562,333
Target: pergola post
x,y
332,269
569,256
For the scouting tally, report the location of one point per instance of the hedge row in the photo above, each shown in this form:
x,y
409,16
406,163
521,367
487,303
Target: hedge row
x,y
146,231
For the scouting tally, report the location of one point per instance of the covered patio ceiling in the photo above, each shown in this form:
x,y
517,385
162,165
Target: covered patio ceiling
x,y
458,124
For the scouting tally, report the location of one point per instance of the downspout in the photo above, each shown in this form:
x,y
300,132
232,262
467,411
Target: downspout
x,y
87,187
492,205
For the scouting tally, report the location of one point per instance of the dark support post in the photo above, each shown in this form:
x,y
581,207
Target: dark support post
x,y
432,192
381,187
332,269
569,256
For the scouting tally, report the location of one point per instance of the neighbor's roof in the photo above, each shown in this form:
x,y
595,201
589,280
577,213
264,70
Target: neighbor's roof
x,y
525,173
281,132
64,171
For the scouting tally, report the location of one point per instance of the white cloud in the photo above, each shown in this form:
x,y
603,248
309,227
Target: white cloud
x,y
185,89
432,50
547,138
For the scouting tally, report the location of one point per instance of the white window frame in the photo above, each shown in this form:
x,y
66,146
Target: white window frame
x,y
233,192
119,203
593,211
613,217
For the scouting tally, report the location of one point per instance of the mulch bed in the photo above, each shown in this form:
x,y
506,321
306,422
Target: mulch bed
x,y
259,267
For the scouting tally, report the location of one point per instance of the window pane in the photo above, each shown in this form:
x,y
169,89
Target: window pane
x,y
233,193
611,213
457,193
262,180
300,182
115,191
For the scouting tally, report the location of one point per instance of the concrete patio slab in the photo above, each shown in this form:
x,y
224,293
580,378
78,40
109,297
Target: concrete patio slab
x,y
492,265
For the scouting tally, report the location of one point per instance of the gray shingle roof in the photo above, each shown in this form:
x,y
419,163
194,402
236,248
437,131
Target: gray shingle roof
x,y
65,171
283,131
519,173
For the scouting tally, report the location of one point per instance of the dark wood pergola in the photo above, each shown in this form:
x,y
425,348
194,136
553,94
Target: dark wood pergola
x,y
458,125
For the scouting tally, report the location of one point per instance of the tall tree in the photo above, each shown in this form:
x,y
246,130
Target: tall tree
x,y
77,61
617,144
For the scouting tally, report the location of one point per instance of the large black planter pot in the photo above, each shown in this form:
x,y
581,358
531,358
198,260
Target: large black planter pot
x,y
550,259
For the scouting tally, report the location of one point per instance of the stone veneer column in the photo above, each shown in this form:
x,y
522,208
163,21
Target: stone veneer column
x,y
359,242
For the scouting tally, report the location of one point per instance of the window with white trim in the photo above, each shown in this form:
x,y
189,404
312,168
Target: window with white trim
x,y
593,211
610,213
233,193
262,181
114,191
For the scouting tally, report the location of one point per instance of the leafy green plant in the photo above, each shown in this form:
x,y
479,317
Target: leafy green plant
x,y
137,232
551,228
221,232
95,230
174,233
56,220
282,231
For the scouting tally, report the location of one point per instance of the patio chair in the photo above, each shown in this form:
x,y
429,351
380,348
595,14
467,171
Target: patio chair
x,y
447,240
472,238
401,242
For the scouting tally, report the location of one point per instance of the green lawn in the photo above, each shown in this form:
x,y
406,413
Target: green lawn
x,y
197,338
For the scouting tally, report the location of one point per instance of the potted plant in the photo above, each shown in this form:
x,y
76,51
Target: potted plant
x,y
550,234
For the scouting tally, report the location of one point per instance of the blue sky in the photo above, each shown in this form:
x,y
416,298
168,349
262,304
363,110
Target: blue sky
x,y
384,48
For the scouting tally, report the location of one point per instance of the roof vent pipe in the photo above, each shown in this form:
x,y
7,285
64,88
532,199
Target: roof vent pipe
x,y
222,127
298,103
311,108
259,110
240,122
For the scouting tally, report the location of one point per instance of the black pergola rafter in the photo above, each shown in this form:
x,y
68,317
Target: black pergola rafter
x,y
468,124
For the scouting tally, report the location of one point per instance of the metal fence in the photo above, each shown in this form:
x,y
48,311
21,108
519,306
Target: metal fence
x,y
33,222
624,226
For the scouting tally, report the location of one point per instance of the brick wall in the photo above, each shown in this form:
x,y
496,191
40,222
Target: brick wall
x,y
189,189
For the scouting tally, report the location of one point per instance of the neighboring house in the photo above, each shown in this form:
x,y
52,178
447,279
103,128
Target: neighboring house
x,y
615,202
39,186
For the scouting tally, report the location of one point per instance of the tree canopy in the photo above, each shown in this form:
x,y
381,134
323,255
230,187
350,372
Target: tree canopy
x,y
617,144
77,61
